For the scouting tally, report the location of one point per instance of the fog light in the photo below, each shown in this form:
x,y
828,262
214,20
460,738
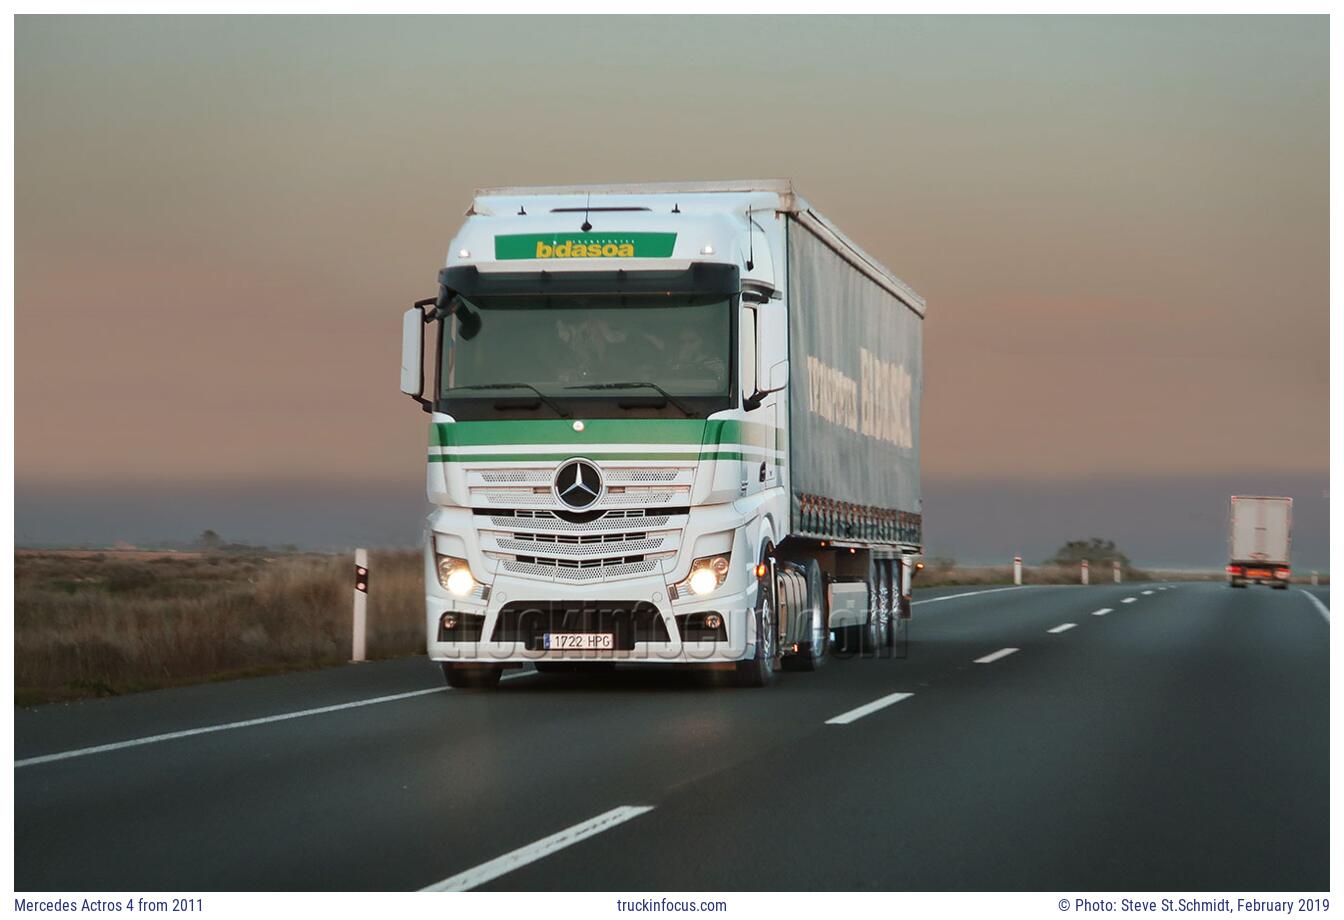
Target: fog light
x,y
449,621
713,621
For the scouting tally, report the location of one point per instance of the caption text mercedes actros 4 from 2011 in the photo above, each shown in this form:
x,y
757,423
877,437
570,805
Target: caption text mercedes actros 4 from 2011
x,y
671,423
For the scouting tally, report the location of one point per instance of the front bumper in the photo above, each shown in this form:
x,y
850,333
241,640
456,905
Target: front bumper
x,y
516,593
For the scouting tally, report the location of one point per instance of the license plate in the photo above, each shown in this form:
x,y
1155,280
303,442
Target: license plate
x,y
580,641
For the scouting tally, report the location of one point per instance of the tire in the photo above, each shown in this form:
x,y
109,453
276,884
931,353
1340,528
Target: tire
x,y
460,678
1236,584
759,671
819,648
1280,587
876,633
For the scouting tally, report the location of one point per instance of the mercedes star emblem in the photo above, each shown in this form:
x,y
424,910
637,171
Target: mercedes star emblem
x,y
578,483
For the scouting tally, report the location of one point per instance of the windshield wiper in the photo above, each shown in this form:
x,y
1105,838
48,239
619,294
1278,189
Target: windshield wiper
x,y
636,385
518,386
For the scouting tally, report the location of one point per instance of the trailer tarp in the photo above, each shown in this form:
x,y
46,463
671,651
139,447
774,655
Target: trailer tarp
x,y
856,376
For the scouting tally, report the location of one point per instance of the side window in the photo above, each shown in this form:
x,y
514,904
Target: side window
x,y
748,350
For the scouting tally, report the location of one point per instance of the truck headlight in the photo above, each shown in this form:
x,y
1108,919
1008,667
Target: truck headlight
x,y
707,574
455,575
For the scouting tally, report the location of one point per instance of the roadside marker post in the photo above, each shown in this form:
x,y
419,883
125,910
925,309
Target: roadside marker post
x,y
361,604
1017,570
1315,579
1115,570
1084,571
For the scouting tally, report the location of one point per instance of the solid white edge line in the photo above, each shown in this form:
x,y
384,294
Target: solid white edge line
x,y
1062,627
1324,610
502,865
868,708
1129,600
230,726
995,656
952,597
1103,611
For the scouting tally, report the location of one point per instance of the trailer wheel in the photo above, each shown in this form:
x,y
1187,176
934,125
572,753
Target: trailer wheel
x,y
876,633
466,678
815,650
759,671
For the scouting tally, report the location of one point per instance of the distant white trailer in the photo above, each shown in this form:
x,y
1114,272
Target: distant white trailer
x,y
1260,540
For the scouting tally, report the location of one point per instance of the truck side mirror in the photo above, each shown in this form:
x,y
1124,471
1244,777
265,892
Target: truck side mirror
x,y
772,360
413,355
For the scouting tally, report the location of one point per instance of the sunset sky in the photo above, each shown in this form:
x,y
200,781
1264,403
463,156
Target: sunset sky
x,y
1121,226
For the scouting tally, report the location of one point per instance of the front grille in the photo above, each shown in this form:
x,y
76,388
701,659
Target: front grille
x,y
539,521
579,547
607,545
568,570
629,621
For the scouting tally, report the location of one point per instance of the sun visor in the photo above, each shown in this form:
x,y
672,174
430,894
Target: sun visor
x,y
698,278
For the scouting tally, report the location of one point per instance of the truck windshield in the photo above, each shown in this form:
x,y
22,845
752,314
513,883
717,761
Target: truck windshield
x,y
568,347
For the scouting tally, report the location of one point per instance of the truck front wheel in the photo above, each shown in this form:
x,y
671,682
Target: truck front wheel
x,y
465,677
759,671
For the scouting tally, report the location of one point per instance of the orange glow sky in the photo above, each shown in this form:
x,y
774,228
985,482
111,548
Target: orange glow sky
x,y
1120,224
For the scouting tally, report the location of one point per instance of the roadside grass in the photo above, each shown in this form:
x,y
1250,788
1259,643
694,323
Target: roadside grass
x,y
89,623
96,624
941,572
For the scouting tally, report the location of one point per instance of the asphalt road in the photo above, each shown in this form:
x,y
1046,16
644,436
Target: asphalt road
x,y
1178,742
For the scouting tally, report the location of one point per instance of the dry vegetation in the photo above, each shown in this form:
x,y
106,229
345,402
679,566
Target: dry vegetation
x,y
948,572
89,623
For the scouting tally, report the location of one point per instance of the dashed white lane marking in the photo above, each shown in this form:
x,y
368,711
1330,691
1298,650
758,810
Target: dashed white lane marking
x,y
1145,592
230,726
501,865
1062,627
1102,612
1321,608
868,708
1129,600
995,656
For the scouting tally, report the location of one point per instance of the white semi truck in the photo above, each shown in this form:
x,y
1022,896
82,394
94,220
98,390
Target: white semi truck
x,y
1260,541
670,423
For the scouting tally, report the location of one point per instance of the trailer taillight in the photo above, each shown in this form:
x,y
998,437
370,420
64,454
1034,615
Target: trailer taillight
x,y
1283,574
1234,570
